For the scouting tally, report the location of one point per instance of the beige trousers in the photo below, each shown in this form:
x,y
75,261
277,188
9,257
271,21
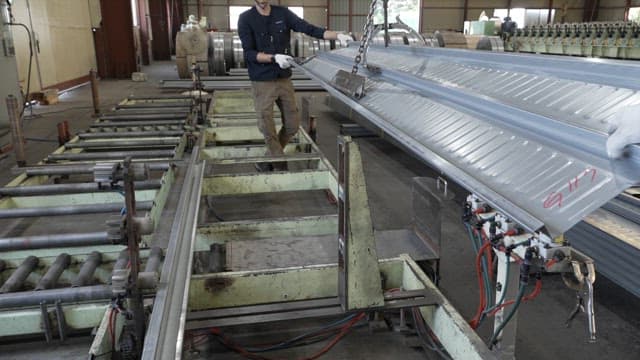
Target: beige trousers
x,y
280,92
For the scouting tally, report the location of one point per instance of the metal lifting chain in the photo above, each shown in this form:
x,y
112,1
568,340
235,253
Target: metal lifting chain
x,y
366,37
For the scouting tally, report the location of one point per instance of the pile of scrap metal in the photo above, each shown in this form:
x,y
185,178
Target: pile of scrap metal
x,y
617,40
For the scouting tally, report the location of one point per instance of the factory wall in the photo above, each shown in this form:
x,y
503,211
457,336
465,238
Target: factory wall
x,y
217,11
64,40
350,15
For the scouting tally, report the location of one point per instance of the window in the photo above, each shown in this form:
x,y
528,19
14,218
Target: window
x,y
235,11
408,10
234,14
298,10
526,17
634,14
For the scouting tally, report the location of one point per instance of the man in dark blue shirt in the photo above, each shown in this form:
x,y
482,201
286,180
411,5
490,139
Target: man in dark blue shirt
x,y
265,32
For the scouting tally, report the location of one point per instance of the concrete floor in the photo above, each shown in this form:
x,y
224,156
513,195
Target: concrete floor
x,y
389,172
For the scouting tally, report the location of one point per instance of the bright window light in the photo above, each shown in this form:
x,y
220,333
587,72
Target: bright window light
x,y
518,15
634,14
134,12
234,14
298,10
408,10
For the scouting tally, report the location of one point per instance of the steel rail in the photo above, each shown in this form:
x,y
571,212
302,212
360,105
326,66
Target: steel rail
x,y
165,332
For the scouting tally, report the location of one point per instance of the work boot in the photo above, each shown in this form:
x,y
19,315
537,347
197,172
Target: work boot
x,y
280,166
264,167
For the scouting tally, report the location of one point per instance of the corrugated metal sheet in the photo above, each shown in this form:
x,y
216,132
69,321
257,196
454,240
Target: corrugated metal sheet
x,y
616,253
339,22
340,7
536,157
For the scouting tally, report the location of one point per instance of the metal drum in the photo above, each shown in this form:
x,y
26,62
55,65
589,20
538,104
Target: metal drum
x,y
238,53
217,63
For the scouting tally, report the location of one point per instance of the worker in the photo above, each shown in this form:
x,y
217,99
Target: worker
x,y
508,28
265,34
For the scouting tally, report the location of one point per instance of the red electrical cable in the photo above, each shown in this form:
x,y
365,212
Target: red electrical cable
x,y
536,291
550,263
112,334
475,321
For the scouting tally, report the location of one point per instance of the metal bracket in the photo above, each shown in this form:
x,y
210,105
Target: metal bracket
x,y
359,282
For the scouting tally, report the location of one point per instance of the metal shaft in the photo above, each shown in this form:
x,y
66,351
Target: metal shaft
x,y
123,143
94,91
16,280
111,124
48,170
119,155
54,241
154,259
85,276
50,296
131,134
63,189
68,210
17,139
156,105
144,117
123,260
55,270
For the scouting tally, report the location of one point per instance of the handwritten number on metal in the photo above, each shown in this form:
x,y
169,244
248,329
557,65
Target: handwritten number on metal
x,y
555,198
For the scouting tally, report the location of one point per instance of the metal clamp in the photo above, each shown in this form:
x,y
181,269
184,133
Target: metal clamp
x,y
583,284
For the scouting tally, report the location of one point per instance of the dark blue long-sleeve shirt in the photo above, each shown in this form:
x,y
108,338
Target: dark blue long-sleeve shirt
x,y
270,35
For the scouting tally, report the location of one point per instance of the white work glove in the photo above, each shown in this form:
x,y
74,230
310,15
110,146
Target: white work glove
x,y
624,130
345,39
283,60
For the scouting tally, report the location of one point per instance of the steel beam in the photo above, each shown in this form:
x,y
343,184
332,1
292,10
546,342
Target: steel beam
x,y
137,124
50,170
112,155
153,143
29,321
131,134
266,183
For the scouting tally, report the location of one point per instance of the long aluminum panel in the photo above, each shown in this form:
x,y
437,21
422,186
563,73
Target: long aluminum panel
x,y
528,154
